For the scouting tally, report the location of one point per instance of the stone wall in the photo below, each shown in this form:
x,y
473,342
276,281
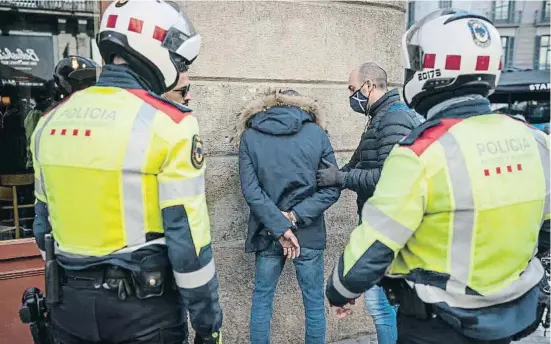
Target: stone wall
x,y
311,47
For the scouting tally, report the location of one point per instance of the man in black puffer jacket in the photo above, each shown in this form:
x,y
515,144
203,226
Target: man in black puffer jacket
x,y
389,121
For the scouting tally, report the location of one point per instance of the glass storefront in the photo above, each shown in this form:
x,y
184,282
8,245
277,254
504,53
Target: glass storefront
x,y
34,37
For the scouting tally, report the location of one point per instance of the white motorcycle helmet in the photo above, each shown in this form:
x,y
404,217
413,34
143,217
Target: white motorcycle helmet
x,y
156,39
450,53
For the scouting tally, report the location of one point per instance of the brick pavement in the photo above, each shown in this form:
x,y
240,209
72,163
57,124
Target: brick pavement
x,y
536,338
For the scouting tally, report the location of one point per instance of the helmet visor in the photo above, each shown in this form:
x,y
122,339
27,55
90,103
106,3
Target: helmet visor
x,y
431,16
179,33
415,54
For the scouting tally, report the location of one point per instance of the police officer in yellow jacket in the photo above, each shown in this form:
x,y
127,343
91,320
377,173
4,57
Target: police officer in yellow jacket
x,y
455,218
120,185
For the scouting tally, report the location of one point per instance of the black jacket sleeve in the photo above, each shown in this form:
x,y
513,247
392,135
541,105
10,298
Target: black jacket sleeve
x,y
390,130
353,160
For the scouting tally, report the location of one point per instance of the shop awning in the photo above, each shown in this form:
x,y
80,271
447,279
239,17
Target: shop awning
x,y
522,85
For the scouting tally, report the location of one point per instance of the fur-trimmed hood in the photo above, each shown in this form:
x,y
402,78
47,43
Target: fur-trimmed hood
x,y
267,113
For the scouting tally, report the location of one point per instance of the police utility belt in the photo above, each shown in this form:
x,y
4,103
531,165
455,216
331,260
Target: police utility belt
x,y
400,293
126,283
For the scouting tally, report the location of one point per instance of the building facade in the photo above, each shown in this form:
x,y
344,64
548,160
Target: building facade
x,y
522,24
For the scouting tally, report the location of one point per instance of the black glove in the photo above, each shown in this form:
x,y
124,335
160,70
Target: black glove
x,y
214,338
331,176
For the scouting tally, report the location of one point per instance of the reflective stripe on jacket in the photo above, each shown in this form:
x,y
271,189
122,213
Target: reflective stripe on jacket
x,y
120,173
125,161
457,213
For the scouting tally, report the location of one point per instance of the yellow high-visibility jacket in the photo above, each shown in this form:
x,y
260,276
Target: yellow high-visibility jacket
x,y
456,213
120,170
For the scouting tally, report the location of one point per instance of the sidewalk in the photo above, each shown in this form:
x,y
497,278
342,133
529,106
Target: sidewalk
x,y
536,338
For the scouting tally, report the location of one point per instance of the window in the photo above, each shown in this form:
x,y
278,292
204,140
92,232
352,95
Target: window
x,y
542,58
444,4
411,13
508,45
545,11
503,10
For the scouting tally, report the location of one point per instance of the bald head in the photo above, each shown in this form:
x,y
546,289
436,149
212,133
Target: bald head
x,y
371,72
370,78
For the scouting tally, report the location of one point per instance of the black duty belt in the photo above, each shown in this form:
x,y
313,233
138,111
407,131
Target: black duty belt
x,y
96,274
126,283
111,278
399,292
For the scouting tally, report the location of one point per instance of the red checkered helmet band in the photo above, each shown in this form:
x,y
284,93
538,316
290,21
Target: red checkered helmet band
x,y
153,36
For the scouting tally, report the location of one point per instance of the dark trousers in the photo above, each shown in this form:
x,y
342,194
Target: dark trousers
x,y
434,331
87,315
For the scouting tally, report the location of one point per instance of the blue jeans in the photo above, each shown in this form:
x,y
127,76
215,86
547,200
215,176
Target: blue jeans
x,y
383,314
309,268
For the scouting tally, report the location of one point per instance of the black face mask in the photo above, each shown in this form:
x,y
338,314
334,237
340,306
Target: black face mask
x,y
360,102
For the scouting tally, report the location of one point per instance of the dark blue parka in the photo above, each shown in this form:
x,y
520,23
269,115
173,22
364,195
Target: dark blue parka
x,y
281,147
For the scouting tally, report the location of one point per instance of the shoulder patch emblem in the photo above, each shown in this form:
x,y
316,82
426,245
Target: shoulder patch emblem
x,y
197,155
480,33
